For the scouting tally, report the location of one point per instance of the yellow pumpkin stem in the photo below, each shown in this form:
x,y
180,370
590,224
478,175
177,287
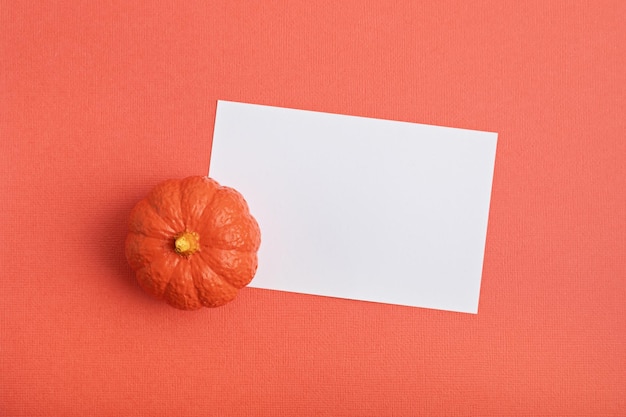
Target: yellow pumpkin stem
x,y
187,243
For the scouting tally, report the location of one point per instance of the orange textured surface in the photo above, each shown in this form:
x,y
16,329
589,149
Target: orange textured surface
x,y
99,101
193,243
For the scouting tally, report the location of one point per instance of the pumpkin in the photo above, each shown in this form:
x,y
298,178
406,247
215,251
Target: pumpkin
x,y
193,243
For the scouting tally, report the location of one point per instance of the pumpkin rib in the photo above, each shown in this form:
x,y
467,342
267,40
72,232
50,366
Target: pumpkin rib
x,y
142,249
182,278
208,262
154,279
242,235
155,263
229,217
224,196
209,206
222,244
146,280
213,290
165,200
144,213
233,266
209,185
212,264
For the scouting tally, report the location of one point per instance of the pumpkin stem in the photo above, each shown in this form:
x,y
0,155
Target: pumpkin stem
x,y
187,243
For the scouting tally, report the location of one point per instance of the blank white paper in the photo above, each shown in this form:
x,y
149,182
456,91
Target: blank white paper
x,y
360,208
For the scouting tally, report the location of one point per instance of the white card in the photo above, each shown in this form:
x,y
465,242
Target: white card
x,y
360,208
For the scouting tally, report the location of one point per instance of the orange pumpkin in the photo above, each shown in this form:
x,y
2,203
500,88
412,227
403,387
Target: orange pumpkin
x,y
193,243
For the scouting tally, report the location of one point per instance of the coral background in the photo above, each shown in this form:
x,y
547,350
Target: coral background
x,y
99,101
